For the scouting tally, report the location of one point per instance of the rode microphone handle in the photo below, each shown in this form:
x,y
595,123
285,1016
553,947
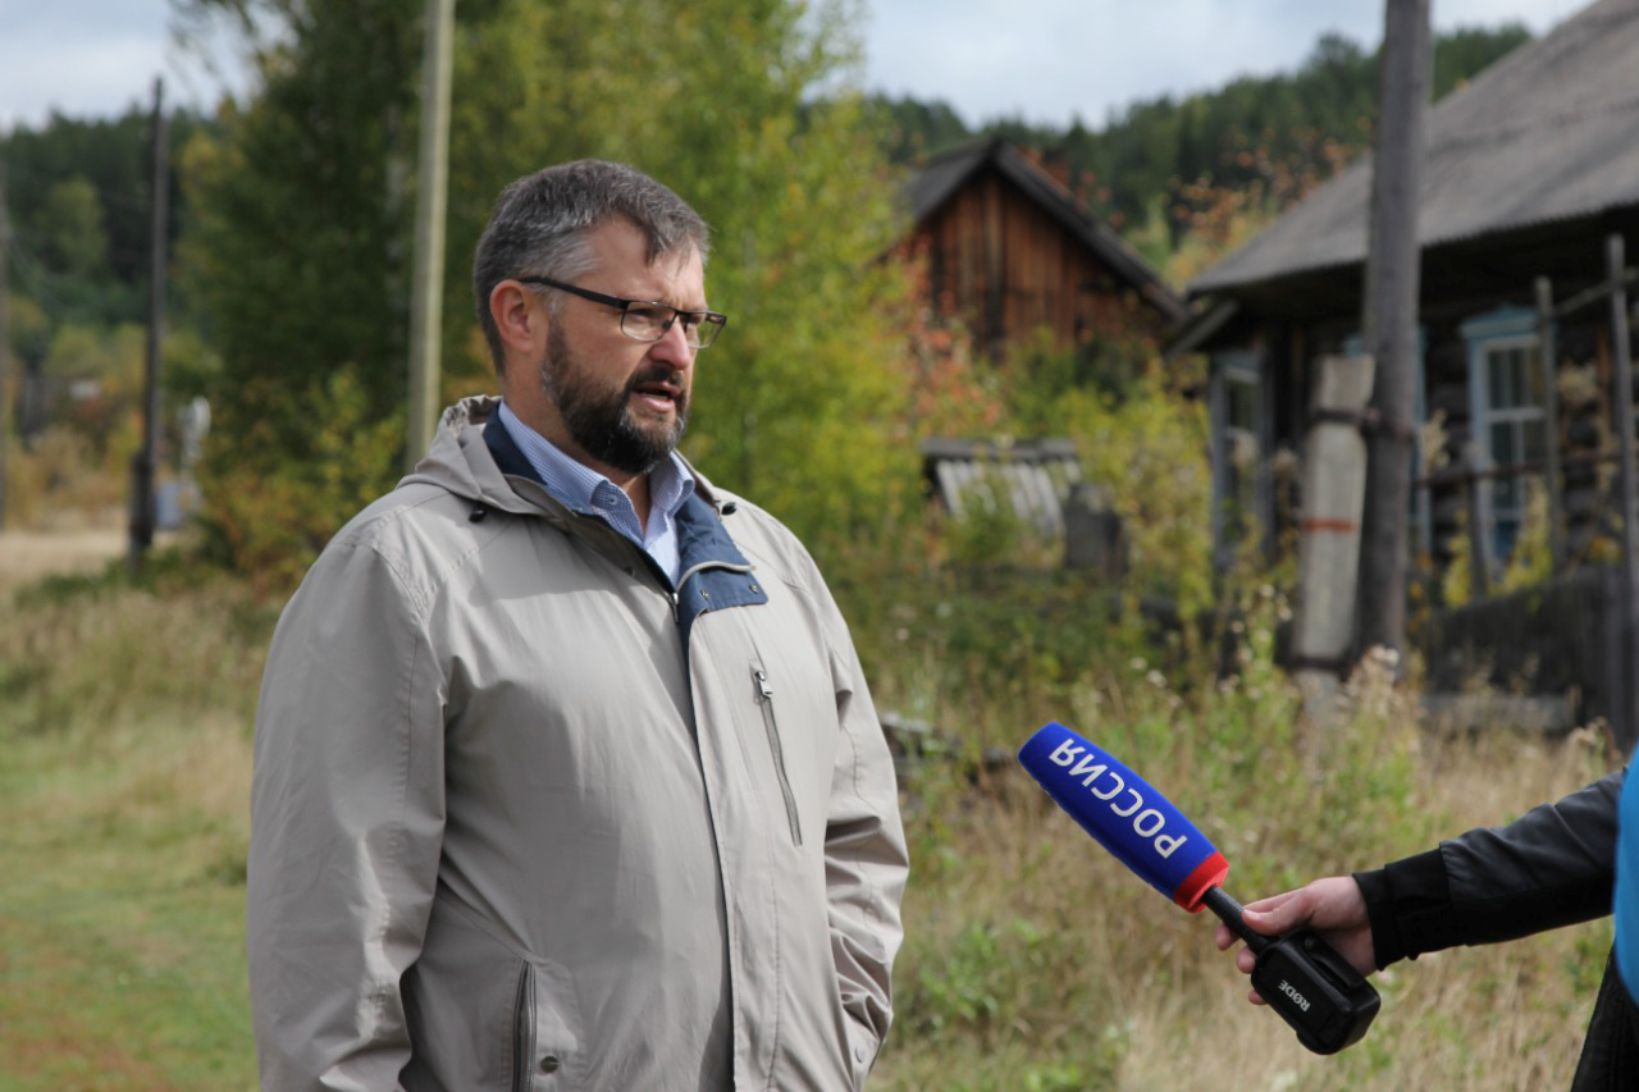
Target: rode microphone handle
x,y
1313,988
1223,904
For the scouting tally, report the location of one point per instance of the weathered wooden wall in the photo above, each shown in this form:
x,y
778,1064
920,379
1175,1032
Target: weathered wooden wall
x,y
1584,415
1005,268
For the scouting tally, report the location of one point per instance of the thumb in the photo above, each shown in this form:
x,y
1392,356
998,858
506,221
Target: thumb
x,y
1279,914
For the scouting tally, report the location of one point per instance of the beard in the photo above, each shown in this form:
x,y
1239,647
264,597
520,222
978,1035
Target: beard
x,y
601,422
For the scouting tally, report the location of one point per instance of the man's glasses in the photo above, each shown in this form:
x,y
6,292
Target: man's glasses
x,y
648,320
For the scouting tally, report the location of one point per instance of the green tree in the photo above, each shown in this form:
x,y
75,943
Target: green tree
x,y
296,255
916,128
797,402
301,236
30,330
69,228
78,193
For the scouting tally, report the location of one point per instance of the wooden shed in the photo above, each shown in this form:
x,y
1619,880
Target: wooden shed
x,y
1009,251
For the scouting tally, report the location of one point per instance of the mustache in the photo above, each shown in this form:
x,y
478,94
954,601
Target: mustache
x,y
658,374
654,374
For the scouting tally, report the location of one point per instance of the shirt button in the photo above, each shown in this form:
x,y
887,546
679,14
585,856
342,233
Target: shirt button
x,y
550,1063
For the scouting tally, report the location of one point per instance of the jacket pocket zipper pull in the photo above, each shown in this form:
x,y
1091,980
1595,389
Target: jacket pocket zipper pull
x,y
766,700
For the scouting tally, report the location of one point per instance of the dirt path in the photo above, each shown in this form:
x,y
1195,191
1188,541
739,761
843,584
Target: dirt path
x,y
26,556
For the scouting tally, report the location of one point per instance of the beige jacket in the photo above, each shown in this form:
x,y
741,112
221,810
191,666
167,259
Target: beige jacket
x,y
523,818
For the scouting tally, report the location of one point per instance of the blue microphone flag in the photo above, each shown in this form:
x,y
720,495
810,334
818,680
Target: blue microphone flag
x,y
1127,816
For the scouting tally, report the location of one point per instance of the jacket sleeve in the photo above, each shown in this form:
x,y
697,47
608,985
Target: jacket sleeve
x,y
866,863
347,813
1553,866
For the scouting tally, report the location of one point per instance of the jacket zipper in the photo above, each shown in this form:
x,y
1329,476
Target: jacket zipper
x,y
765,698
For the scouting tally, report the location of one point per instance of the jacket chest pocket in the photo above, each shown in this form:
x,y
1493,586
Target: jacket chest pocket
x,y
765,696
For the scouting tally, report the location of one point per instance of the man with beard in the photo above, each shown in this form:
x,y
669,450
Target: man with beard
x,y
566,772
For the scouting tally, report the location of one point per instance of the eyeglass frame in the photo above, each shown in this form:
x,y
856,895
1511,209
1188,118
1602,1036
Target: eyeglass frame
x,y
715,319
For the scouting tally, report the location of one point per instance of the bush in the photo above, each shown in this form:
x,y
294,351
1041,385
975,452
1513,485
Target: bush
x,y
267,514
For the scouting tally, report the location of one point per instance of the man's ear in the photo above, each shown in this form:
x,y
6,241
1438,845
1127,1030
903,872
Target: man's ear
x,y
520,323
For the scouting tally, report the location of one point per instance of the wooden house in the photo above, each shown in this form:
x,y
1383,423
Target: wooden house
x,y
1529,171
1009,250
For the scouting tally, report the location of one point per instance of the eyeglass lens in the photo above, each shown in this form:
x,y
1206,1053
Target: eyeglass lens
x,y
647,323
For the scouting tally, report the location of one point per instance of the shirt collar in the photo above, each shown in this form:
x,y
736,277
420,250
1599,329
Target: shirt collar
x,y
671,483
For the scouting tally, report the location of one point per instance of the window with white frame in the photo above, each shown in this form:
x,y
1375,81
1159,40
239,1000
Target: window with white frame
x,y
1243,416
1506,398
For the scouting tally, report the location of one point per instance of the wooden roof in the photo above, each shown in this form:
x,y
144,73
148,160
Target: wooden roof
x,y
1548,134
948,172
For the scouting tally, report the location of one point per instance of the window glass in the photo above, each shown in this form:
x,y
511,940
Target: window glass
x,y
1500,377
1534,444
1507,393
1243,405
1531,370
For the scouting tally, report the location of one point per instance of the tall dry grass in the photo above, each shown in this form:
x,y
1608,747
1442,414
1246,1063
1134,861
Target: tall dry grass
x,y
1032,960
1035,961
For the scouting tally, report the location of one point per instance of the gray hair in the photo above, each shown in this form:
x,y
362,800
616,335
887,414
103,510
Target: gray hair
x,y
541,221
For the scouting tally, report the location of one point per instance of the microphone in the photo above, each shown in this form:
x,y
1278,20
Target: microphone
x,y
1313,988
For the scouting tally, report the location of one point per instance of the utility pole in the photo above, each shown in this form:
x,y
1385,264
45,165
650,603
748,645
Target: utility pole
x,y
1389,320
144,463
426,301
1628,478
1548,361
5,340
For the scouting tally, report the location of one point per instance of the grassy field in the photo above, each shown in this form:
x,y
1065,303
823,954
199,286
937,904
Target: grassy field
x,y
124,771
1032,961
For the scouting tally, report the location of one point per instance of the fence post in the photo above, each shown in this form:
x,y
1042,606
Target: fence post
x,y
1479,550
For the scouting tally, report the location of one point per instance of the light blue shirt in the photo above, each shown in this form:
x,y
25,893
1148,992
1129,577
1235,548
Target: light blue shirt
x,y
670,485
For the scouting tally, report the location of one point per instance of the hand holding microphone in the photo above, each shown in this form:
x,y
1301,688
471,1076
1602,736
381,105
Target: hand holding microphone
x,y
1333,907
1313,987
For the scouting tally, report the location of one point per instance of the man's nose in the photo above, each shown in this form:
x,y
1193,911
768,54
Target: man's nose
x,y
673,347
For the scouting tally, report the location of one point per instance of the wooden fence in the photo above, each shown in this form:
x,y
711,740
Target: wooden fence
x,y
1563,636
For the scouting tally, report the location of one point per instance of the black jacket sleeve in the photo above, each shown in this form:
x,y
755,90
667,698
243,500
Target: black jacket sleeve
x,y
1553,866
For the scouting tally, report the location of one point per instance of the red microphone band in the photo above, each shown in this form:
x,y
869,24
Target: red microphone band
x,y
1208,874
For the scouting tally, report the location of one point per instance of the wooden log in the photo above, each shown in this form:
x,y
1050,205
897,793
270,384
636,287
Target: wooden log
x,y
1334,490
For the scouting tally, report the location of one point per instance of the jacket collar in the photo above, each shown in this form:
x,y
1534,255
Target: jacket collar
x,y
714,573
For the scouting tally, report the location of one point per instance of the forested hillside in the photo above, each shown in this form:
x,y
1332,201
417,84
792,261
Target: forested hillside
x,y
77,191
77,199
1163,168
255,220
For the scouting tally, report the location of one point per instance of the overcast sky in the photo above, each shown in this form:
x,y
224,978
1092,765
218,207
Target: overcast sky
x,y
1049,60
1044,60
